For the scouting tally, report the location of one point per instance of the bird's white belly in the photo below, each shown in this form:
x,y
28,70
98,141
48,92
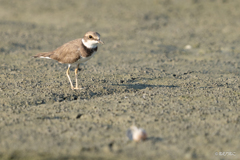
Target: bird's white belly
x,y
84,59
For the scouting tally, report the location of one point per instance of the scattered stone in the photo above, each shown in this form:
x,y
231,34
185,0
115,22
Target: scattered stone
x,y
136,134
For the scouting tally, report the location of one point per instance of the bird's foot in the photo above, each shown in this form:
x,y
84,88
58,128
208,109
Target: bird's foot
x,y
76,88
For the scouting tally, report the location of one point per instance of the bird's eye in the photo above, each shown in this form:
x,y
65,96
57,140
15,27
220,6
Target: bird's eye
x,y
90,36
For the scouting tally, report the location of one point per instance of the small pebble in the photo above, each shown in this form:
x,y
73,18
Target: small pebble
x,y
136,134
188,47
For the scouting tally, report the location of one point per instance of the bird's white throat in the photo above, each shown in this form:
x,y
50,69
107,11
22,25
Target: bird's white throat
x,y
90,43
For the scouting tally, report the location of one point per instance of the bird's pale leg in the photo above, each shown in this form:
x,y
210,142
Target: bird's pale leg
x,y
76,71
69,77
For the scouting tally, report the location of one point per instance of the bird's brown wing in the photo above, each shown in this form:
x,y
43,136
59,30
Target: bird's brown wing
x,y
67,53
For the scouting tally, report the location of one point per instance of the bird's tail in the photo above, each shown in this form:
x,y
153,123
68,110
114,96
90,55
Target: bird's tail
x,y
43,55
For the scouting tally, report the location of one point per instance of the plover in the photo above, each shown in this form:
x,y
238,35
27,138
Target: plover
x,y
75,52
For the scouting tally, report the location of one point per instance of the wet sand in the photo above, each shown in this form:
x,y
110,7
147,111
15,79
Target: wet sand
x,y
170,67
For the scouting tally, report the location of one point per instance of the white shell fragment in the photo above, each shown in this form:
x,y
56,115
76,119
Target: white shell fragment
x,y
136,134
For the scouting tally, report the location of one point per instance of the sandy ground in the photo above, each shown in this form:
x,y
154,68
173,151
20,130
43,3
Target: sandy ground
x,y
170,67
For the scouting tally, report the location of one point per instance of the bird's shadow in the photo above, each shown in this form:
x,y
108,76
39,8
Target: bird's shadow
x,y
144,86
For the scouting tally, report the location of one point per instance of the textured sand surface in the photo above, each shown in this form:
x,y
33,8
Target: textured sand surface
x,y
170,67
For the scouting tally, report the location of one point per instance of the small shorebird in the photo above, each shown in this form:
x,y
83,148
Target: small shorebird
x,y
75,52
